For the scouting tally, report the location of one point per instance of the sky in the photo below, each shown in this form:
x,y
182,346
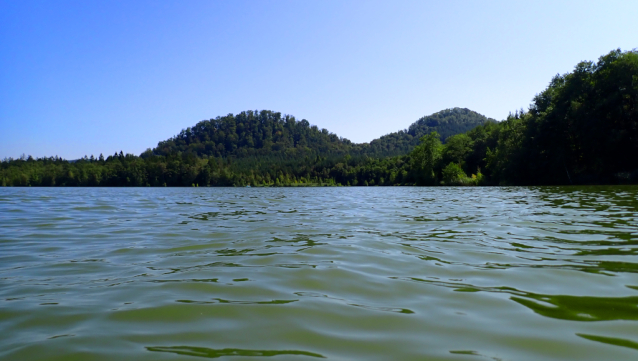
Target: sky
x,y
88,77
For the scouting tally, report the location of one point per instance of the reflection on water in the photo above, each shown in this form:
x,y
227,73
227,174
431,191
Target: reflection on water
x,y
582,308
564,307
219,300
611,341
340,273
212,353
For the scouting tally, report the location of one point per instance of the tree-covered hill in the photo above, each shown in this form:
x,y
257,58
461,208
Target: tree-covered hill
x,y
253,133
252,147
446,123
582,129
270,134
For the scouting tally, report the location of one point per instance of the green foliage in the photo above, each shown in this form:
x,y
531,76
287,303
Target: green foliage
x,y
457,148
425,157
446,123
252,148
253,133
453,175
582,129
479,179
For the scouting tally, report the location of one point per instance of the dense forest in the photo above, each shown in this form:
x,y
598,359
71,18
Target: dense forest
x,y
582,129
269,134
250,148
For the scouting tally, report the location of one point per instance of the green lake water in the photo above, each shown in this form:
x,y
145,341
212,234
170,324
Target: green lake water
x,y
397,273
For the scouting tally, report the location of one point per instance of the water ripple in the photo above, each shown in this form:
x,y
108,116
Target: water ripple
x,y
340,273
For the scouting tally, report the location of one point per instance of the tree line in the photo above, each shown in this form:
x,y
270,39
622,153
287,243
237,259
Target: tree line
x,y
582,129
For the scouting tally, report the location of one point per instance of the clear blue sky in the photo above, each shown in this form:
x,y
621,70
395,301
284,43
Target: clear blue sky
x,y
91,77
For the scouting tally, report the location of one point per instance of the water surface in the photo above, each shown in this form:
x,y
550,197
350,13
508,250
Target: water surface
x,y
372,273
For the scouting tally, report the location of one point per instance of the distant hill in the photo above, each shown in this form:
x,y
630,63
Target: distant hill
x,y
266,134
254,133
447,122
582,129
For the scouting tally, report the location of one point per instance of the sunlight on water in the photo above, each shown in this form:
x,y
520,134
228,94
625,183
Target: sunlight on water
x,y
305,273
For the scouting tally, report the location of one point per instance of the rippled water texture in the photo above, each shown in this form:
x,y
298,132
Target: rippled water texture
x,y
336,273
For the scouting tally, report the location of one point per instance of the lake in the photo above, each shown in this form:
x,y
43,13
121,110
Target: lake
x,y
369,273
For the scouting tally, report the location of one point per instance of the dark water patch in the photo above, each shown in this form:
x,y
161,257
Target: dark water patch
x,y
465,352
216,353
564,307
208,280
582,308
608,252
611,340
223,301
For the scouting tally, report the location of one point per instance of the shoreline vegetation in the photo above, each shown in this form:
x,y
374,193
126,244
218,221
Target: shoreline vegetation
x,y
582,129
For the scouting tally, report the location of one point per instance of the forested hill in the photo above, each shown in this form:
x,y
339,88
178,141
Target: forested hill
x,y
266,134
447,123
582,129
253,133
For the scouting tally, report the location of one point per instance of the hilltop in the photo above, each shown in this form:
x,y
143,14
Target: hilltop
x,y
446,123
267,133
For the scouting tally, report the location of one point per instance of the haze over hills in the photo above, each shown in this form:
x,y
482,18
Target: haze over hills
x,y
268,133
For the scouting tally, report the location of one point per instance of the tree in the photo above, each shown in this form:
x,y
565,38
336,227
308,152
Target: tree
x,y
424,158
453,174
457,148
